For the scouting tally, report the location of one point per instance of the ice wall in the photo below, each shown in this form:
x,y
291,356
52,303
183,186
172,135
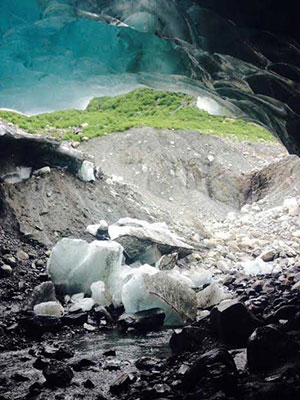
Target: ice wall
x,y
60,53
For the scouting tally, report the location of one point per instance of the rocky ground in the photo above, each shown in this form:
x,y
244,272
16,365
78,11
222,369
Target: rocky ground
x,y
246,347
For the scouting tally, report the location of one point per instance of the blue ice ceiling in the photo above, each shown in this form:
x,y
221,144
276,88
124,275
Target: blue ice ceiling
x,y
59,54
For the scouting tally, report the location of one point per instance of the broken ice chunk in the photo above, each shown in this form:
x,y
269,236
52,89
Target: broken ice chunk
x,y
144,291
100,295
211,296
86,172
199,276
259,267
75,264
49,308
83,304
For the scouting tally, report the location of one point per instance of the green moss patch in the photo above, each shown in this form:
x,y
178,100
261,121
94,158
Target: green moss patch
x,y
141,107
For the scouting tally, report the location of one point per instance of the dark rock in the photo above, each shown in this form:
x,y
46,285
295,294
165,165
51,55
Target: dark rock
x,y
112,365
58,374
146,363
82,364
273,391
144,321
218,396
293,323
233,323
43,292
217,365
122,383
110,353
157,391
187,339
5,271
100,313
268,348
19,377
285,312
34,390
75,319
10,260
89,384
40,363
36,325
102,234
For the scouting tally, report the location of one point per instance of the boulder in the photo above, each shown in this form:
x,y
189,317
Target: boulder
x,y
42,171
187,339
292,206
100,230
58,374
233,323
268,348
268,255
122,383
167,261
218,365
147,242
36,325
75,319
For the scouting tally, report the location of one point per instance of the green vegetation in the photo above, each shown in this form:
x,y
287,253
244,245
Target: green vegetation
x,y
141,107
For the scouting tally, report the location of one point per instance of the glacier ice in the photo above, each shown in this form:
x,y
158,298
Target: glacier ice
x,y
86,172
259,267
194,277
75,264
81,303
211,296
49,308
158,290
100,294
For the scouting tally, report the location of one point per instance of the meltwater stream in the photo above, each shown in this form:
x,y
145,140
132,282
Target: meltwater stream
x,y
90,349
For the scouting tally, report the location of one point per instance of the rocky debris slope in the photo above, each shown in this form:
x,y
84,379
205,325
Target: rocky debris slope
x,y
191,175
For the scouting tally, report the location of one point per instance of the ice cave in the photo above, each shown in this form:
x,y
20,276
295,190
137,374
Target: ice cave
x,y
149,199
61,53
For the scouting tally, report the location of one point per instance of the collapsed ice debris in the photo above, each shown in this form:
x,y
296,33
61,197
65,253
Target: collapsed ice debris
x,y
87,172
259,267
97,269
